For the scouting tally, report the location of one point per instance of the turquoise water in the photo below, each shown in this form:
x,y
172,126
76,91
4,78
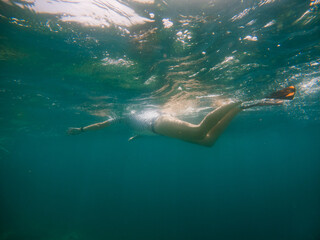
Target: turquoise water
x,y
70,64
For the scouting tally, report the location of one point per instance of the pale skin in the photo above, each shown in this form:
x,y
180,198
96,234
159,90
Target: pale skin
x,y
205,133
92,127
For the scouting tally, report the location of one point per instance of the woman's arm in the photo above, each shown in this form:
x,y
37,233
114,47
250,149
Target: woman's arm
x,y
92,127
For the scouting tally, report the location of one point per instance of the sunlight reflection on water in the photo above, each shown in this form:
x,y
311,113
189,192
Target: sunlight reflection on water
x,y
96,13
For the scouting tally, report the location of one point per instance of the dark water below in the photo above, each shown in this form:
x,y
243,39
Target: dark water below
x,y
66,64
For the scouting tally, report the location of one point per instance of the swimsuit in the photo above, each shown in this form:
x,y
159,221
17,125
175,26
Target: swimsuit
x,y
143,122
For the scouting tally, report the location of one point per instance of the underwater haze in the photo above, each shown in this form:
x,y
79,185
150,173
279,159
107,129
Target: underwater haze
x,y
73,63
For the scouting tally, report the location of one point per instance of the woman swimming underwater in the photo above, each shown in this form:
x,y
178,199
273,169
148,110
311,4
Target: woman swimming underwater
x,y
205,133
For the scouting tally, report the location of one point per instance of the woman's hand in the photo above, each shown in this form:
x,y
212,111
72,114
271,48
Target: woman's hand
x,y
92,127
74,131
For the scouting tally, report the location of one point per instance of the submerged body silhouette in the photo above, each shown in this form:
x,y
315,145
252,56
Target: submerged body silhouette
x,y
206,132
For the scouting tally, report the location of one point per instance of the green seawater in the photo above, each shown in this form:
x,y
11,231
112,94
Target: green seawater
x,y
70,64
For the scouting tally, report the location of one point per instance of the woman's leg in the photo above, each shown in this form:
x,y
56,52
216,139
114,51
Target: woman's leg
x,y
211,127
219,128
173,127
216,116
